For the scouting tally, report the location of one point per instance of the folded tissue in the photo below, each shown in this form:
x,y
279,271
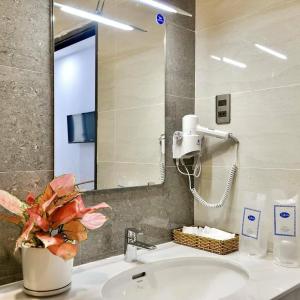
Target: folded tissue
x,y
208,232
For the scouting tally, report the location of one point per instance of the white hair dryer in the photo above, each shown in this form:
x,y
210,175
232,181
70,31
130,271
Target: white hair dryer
x,y
188,143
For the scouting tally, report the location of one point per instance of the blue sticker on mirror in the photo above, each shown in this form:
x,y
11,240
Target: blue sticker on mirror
x,y
160,19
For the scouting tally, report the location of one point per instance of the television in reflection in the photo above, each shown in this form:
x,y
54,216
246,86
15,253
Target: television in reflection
x,y
82,128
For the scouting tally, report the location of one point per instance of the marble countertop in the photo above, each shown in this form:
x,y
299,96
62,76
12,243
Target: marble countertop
x,y
267,280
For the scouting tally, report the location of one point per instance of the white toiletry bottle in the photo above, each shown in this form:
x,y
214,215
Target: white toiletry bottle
x,y
253,235
285,241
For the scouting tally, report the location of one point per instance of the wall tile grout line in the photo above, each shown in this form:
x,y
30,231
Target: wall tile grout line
x,y
25,69
243,92
25,171
180,97
181,26
254,168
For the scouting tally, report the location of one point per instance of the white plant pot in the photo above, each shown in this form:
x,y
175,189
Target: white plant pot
x,y
44,273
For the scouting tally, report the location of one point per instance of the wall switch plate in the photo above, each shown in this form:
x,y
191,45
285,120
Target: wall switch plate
x,y
223,109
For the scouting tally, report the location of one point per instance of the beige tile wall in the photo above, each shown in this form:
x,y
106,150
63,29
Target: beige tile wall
x,y
131,100
265,100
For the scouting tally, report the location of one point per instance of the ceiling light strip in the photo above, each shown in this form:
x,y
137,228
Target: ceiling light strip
x,y
271,51
93,17
165,7
234,62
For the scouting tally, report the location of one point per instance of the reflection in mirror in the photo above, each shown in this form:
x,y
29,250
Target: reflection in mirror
x,y
109,86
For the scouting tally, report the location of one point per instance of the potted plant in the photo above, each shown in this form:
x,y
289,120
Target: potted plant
x,y
53,224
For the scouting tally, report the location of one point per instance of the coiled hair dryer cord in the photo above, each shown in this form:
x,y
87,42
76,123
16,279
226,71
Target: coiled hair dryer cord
x,y
228,187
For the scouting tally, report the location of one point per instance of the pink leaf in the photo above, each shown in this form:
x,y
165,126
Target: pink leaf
x,y
85,210
30,199
40,222
93,221
61,202
47,194
25,233
63,185
65,251
35,209
80,203
99,206
35,215
50,240
75,231
48,202
73,210
65,214
11,203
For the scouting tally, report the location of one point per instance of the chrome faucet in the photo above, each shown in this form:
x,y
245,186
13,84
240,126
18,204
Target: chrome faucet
x,y
132,244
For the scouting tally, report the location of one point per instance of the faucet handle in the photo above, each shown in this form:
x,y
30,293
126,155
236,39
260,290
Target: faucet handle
x,y
131,235
134,230
131,244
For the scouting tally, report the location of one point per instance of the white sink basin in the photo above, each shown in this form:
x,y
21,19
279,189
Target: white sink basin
x,y
195,278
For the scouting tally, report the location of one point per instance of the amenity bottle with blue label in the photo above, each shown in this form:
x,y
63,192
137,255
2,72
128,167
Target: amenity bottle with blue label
x,y
285,242
253,239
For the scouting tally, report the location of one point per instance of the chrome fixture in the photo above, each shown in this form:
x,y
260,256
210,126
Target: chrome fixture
x,y
132,244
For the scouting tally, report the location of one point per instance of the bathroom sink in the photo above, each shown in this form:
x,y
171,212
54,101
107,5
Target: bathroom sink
x,y
177,279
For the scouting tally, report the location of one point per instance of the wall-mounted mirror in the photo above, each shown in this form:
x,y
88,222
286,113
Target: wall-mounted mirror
x,y
109,93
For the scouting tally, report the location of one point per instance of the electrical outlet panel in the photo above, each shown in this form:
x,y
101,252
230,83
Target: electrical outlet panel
x,y
223,109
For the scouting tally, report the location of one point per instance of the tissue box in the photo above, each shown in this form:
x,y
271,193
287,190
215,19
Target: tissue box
x,y
207,244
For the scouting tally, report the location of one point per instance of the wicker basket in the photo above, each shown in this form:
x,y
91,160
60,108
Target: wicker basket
x,y
207,244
